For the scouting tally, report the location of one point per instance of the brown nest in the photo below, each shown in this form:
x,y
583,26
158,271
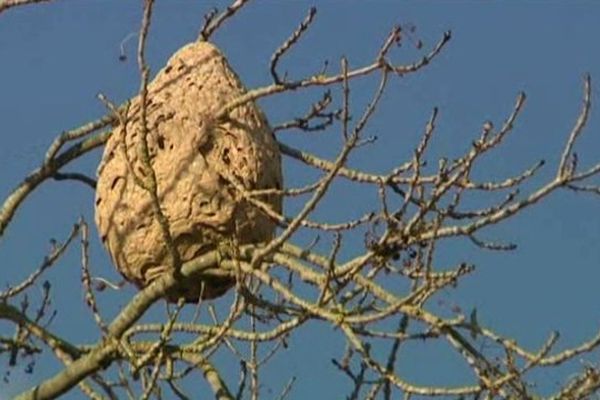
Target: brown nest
x,y
195,158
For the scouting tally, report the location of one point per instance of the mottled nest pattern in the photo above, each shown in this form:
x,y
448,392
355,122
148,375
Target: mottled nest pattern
x,y
195,159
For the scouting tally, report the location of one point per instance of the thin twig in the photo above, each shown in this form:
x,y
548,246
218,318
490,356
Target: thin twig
x,y
214,22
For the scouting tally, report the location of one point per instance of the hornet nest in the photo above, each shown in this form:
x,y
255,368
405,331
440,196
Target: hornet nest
x,y
195,158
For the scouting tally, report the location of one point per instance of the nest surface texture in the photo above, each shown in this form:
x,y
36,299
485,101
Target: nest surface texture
x,y
200,164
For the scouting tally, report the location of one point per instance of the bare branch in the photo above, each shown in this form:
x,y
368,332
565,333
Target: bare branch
x,y
213,22
577,129
56,252
289,43
6,4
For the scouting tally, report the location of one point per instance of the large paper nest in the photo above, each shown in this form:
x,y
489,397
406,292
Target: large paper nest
x,y
195,159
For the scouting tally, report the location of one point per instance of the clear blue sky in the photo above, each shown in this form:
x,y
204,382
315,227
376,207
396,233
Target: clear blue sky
x,y
56,57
